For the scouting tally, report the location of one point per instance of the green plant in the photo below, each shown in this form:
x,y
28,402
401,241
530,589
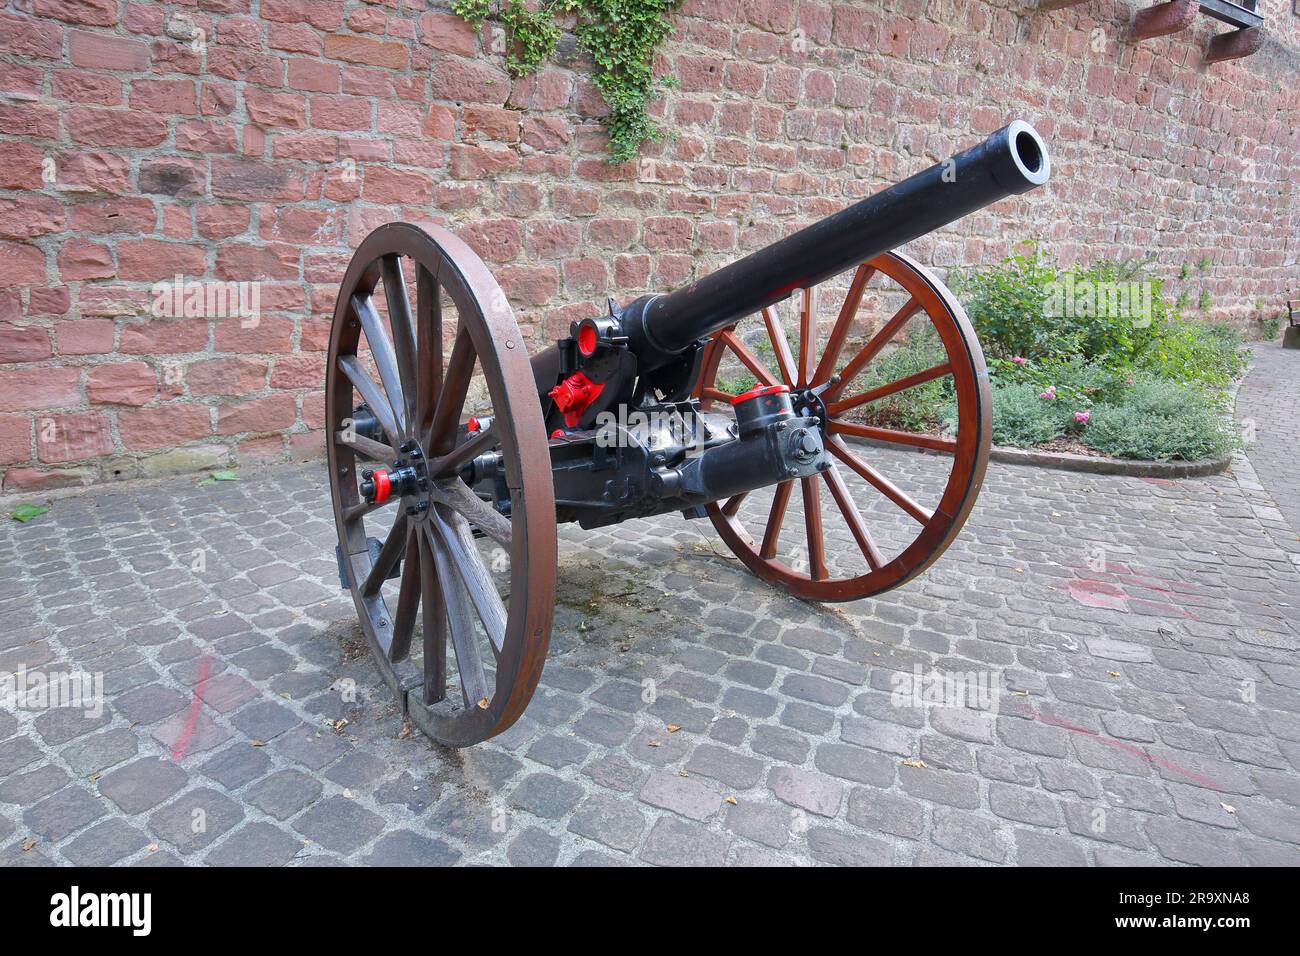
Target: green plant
x,y
1030,307
1159,420
1024,419
1270,327
621,37
1199,353
1006,302
1205,300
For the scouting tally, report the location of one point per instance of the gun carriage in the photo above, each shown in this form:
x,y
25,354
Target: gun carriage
x,y
447,520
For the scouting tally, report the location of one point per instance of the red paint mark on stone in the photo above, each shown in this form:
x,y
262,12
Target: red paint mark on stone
x,y
192,721
1130,748
1098,594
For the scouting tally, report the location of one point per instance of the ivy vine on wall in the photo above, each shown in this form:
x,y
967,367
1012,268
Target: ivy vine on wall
x,y
621,37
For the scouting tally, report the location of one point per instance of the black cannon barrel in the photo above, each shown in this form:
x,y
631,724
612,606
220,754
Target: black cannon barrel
x,y
1012,160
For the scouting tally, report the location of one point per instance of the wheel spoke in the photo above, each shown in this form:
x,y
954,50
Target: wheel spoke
x,y
749,358
451,397
402,322
812,521
458,496
780,345
934,442
733,504
843,323
853,517
807,334
460,620
872,348
879,481
458,541
362,508
716,394
882,391
408,601
382,351
434,610
370,394
389,554
374,450
428,372
775,518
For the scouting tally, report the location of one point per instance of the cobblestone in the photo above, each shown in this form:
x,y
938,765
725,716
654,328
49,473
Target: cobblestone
x,y
1121,734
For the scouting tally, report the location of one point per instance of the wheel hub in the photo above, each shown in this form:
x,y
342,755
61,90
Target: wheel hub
x,y
807,403
407,478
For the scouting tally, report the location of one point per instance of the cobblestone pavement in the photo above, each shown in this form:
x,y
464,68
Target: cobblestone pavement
x,y
1268,403
1144,634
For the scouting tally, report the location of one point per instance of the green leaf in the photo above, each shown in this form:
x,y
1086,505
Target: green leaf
x,y
216,476
26,512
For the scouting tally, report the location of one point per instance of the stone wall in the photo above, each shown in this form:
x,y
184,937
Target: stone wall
x,y
263,149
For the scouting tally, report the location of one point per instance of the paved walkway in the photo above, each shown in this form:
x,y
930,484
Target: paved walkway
x,y
1144,634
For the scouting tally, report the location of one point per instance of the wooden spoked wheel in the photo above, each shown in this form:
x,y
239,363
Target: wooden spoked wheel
x,y
870,533
435,560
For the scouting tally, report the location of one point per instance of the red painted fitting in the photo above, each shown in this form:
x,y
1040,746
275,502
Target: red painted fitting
x,y
383,486
588,339
574,396
759,390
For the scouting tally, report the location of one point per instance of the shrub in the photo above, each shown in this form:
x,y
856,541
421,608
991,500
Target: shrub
x,y
1160,420
1022,418
1107,311
1078,382
1198,353
1006,303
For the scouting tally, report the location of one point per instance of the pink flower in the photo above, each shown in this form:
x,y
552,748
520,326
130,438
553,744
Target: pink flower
x,y
1048,395
1082,417
1019,359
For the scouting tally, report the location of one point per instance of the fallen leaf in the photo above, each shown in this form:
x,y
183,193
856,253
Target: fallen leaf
x,y
26,512
918,764
673,728
483,704
731,800
257,743
1114,673
152,848
682,773
1228,807
28,844
655,743
347,793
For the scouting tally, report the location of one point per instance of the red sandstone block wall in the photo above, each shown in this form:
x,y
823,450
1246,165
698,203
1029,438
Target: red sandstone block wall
x,y
130,153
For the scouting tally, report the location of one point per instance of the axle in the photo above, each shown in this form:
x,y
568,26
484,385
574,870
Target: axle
x,y
659,328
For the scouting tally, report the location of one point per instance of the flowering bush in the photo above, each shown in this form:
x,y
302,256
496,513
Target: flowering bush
x,y
1160,420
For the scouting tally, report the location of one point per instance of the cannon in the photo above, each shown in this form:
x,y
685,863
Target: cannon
x,y
453,454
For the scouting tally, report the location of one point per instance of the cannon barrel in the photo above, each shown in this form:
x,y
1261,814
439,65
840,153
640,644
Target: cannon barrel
x,y
1012,160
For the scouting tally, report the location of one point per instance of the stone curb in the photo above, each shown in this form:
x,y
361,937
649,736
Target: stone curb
x,y
1130,467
